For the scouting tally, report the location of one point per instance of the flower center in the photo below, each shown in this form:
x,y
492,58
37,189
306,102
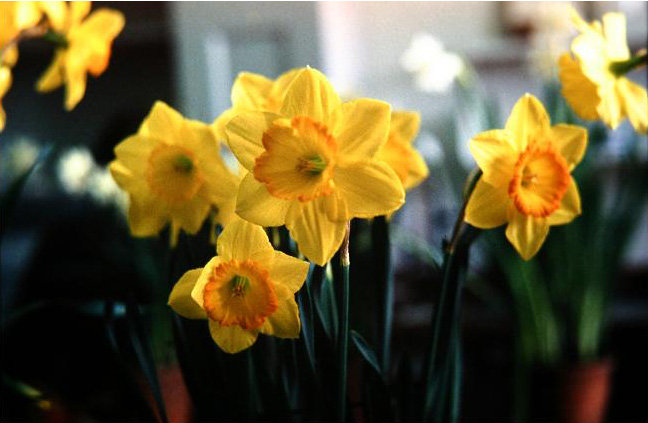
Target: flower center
x,y
298,160
240,293
540,180
172,174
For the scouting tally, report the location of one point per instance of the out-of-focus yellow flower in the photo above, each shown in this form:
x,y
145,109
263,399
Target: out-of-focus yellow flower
x,y
5,83
590,85
86,46
526,179
247,289
253,92
399,152
174,173
312,165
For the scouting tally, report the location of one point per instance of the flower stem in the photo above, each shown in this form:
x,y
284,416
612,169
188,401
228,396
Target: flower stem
x,y
623,67
343,340
381,245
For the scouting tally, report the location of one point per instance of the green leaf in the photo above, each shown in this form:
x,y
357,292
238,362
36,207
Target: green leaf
x,y
366,352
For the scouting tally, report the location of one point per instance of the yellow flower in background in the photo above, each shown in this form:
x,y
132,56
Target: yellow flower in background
x,y
5,83
173,172
399,152
590,85
86,46
526,179
253,92
247,289
312,165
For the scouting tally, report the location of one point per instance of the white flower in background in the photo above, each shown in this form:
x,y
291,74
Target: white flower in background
x,y
74,169
434,68
103,189
20,156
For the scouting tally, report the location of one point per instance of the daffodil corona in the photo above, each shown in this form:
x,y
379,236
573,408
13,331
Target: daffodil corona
x,y
247,289
312,164
174,173
590,83
526,179
84,45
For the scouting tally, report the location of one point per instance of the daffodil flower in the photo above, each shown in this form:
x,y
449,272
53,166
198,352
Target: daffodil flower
x,y
526,179
591,86
399,153
247,289
5,83
174,173
312,165
85,46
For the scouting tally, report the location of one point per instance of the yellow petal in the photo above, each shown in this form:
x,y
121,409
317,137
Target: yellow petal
x,y
145,217
614,30
26,15
283,323
180,298
191,215
405,124
231,339
634,101
279,90
242,240
162,123
78,11
220,123
134,151
289,272
527,234
101,27
369,188
570,141
418,171
245,133
197,292
578,90
250,91
318,237
488,206
495,153
53,76
362,128
570,207
589,48
56,12
528,119
310,94
75,81
5,80
609,108
10,56
257,205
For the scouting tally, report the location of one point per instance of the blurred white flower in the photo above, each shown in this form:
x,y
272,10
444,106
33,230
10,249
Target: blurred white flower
x,y
551,35
74,169
103,189
434,68
20,156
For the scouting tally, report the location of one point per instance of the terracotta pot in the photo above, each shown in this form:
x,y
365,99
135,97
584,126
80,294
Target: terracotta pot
x,y
585,390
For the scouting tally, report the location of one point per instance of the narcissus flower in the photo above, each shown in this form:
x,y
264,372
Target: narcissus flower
x,y
312,165
398,151
526,179
590,84
174,173
254,92
85,46
5,83
247,289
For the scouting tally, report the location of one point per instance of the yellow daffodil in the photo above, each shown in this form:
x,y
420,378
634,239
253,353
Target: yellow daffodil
x,y
590,84
5,83
174,173
253,92
399,153
85,47
526,179
247,289
312,165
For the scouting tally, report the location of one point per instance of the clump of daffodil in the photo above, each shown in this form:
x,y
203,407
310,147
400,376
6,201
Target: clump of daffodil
x,y
173,172
526,179
312,165
593,78
400,154
247,289
83,46
254,92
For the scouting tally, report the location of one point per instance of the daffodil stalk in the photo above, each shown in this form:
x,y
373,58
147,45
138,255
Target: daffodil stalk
x,y
623,67
343,336
381,244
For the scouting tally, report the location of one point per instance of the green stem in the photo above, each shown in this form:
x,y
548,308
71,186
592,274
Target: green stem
x,y
60,41
381,244
623,67
343,340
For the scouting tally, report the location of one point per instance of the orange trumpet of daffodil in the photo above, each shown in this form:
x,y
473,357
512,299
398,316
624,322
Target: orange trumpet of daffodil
x,y
174,174
526,181
312,165
246,290
590,84
85,46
